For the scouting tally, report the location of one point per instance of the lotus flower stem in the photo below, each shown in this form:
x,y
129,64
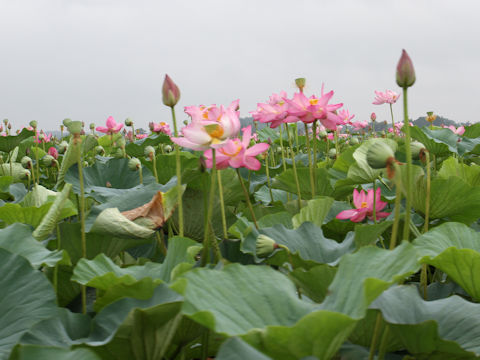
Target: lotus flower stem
x,y
283,150
37,163
247,198
161,243
408,153
427,197
222,204
299,194
398,198
205,341
78,142
375,201
383,344
393,122
154,161
296,136
337,149
55,270
267,170
310,165
140,175
179,174
376,334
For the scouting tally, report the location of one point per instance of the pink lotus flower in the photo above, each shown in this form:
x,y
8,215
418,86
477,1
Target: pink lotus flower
x,y
161,127
141,136
43,138
236,153
345,116
388,97
273,112
331,136
313,108
53,152
359,125
364,206
210,127
112,127
459,131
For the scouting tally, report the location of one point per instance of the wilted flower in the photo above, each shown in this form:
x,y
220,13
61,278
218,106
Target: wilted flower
x,y
364,206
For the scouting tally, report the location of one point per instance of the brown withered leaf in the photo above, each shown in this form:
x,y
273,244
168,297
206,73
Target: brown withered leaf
x,y
152,210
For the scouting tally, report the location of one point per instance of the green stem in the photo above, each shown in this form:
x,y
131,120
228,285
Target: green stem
x,y
376,334
222,205
267,170
160,243
314,151
37,164
382,350
408,153
396,222
310,166
393,122
375,201
427,198
247,198
299,194
337,148
179,175
424,281
283,150
205,340
154,161
55,271
78,142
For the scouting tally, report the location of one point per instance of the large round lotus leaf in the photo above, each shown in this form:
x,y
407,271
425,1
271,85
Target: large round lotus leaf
x,y
137,148
27,298
438,141
286,181
364,275
31,352
441,329
468,173
241,298
8,143
237,349
454,249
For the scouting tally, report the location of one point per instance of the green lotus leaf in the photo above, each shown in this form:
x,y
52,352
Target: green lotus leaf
x,y
364,275
314,282
137,148
27,298
32,352
368,234
286,181
315,212
10,142
441,329
468,173
237,349
437,141
454,249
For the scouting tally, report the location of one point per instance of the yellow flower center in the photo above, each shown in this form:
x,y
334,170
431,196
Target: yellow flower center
x,y
313,101
363,205
238,147
215,131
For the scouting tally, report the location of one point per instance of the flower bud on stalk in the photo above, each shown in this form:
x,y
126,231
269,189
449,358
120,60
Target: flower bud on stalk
x,y
48,160
170,92
431,117
168,148
405,71
62,147
99,150
134,164
265,246
416,148
92,126
380,156
33,124
128,122
373,117
26,162
149,152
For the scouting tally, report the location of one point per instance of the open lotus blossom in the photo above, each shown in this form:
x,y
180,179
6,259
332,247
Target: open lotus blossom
x,y
345,116
359,125
388,97
141,136
200,113
274,112
211,127
53,152
112,127
42,138
236,153
331,136
314,108
161,127
397,131
364,206
459,131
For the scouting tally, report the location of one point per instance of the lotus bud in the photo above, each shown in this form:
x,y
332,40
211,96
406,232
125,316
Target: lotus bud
x,y
41,136
5,121
9,126
405,71
354,140
269,141
300,82
62,147
26,162
33,124
379,155
373,117
82,132
26,174
168,148
416,149
85,164
332,153
265,245
134,164
53,152
322,133
170,92
99,150
185,122
149,152
47,160
92,126
128,122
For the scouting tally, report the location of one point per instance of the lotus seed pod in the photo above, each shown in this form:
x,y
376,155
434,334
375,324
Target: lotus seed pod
x,y
47,160
92,126
66,121
379,155
332,153
62,147
134,164
168,148
265,245
5,121
300,82
26,162
149,151
99,150
128,122
33,124
416,148
185,122
354,141
74,127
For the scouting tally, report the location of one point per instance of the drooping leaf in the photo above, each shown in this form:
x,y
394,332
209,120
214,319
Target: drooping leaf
x,y
315,212
10,142
438,141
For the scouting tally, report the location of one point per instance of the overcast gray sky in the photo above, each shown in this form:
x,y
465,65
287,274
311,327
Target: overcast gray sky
x,y
88,59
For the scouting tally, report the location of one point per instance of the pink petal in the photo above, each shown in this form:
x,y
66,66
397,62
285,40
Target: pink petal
x,y
257,149
102,129
346,214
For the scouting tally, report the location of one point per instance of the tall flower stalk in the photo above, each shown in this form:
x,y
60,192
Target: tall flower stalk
x,y
299,194
310,165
